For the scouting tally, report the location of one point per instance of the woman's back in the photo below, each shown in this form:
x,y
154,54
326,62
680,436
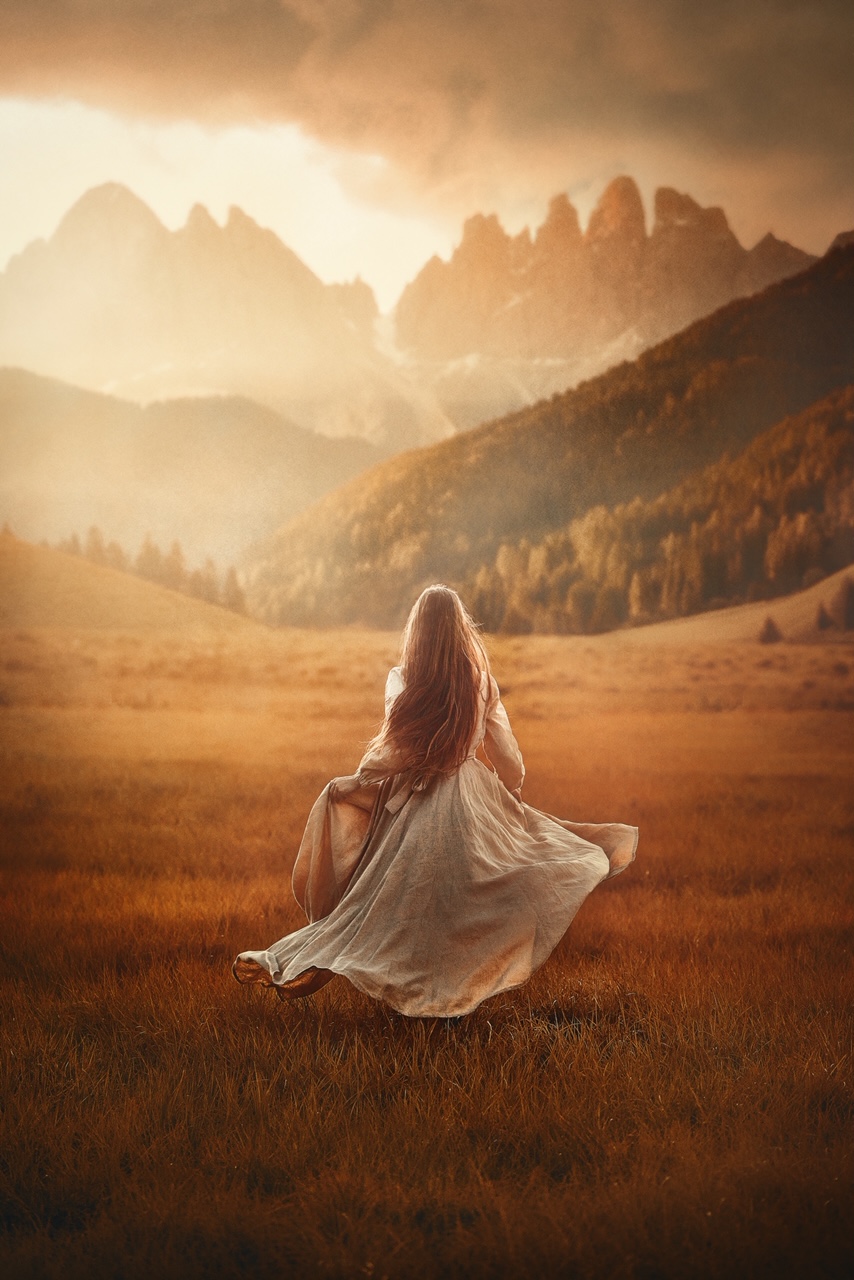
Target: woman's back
x,y
427,881
491,729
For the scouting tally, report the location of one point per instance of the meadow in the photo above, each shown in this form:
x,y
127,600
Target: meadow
x,y
671,1095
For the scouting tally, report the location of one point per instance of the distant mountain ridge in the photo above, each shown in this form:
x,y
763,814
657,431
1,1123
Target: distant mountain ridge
x,y
115,302
362,553
565,305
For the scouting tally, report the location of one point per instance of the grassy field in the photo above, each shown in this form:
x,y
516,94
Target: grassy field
x,y
672,1095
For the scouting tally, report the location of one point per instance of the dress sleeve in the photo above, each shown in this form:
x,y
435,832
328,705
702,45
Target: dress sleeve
x,y
381,762
499,743
393,687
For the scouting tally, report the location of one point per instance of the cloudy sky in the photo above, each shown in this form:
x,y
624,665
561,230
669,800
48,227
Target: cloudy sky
x,y
365,131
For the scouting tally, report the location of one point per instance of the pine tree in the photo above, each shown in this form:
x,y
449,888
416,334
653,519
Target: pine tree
x,y
232,593
71,546
116,557
149,562
770,633
203,583
174,572
95,550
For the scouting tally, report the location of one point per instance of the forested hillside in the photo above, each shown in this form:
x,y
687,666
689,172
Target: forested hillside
x,y
778,516
634,433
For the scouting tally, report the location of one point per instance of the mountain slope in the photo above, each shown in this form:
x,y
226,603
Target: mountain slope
x,y
778,515
212,473
363,552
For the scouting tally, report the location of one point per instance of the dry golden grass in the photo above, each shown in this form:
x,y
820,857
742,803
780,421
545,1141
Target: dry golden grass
x,y
672,1095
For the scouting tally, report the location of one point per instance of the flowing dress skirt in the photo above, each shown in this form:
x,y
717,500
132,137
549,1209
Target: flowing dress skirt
x,y
433,901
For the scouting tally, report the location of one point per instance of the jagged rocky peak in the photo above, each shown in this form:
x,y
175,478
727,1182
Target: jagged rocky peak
x,y
117,299
270,259
770,244
675,210
248,238
240,224
692,265
841,241
484,240
778,258
619,215
561,231
108,210
483,228
245,234
769,260
200,223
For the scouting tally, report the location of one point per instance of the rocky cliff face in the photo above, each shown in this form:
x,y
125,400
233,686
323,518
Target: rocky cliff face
x,y
582,300
114,301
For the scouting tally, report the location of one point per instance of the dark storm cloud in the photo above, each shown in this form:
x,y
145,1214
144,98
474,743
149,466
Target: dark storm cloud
x,y
449,87
195,60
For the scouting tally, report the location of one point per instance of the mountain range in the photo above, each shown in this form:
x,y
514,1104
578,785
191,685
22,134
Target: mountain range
x,y
543,312
629,435
115,302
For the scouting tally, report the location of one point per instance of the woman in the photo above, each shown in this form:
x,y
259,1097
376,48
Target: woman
x,y
427,882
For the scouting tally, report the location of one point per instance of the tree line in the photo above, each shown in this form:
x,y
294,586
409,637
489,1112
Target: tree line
x,y
166,569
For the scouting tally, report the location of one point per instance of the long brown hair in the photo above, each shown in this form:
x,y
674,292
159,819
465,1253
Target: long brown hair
x,y
443,661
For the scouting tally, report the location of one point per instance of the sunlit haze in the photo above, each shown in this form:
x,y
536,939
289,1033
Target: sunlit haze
x,y
53,152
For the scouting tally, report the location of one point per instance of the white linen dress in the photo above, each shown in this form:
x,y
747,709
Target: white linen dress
x,y
434,900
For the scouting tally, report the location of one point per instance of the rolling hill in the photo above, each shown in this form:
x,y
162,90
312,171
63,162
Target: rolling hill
x,y
212,473
822,613
363,552
40,587
44,588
